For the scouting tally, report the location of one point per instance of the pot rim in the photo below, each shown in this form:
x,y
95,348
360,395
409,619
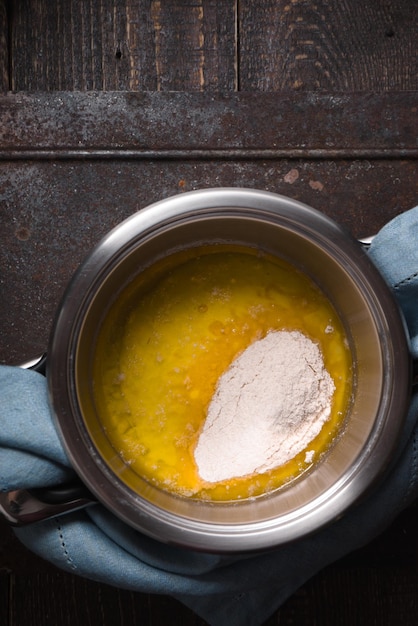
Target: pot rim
x,y
85,458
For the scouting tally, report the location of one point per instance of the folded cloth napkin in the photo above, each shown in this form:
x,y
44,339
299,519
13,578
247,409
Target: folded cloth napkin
x,y
242,590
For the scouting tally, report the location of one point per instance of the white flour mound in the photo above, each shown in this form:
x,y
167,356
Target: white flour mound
x,y
268,406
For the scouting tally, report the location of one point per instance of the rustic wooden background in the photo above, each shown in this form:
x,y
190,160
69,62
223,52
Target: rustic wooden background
x,y
210,45
109,105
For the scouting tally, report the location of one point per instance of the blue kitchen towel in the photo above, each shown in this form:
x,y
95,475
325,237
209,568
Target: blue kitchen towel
x,y
241,590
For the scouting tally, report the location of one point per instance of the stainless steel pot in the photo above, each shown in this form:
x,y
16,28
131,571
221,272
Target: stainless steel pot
x,y
339,265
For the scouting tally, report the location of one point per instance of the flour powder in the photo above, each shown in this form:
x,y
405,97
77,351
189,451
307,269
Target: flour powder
x,y
267,407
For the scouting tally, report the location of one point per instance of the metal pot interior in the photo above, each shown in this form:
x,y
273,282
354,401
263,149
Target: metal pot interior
x,y
339,267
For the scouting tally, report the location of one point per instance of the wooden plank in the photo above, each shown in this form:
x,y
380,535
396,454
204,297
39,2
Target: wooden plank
x,y
4,46
67,45
134,45
194,44
293,45
4,597
59,598
353,596
52,212
235,126
335,596
141,45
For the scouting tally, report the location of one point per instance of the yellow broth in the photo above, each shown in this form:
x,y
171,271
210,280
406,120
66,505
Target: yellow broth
x,y
173,332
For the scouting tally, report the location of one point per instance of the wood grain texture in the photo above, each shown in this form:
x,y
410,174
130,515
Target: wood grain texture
x,y
134,45
194,44
67,45
57,598
189,125
350,45
213,45
4,47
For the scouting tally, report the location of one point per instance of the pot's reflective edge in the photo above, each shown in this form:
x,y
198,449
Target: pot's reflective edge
x,y
344,272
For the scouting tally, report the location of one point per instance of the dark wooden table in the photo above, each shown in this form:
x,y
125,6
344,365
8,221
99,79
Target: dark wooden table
x,y
108,106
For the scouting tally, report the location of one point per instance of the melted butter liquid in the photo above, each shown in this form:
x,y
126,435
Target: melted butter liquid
x,y
170,336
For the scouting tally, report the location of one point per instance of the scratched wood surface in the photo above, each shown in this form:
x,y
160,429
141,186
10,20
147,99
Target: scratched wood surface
x,y
212,45
322,45
316,100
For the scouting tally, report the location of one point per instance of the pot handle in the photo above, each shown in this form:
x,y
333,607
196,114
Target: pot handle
x,y
38,364
26,506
